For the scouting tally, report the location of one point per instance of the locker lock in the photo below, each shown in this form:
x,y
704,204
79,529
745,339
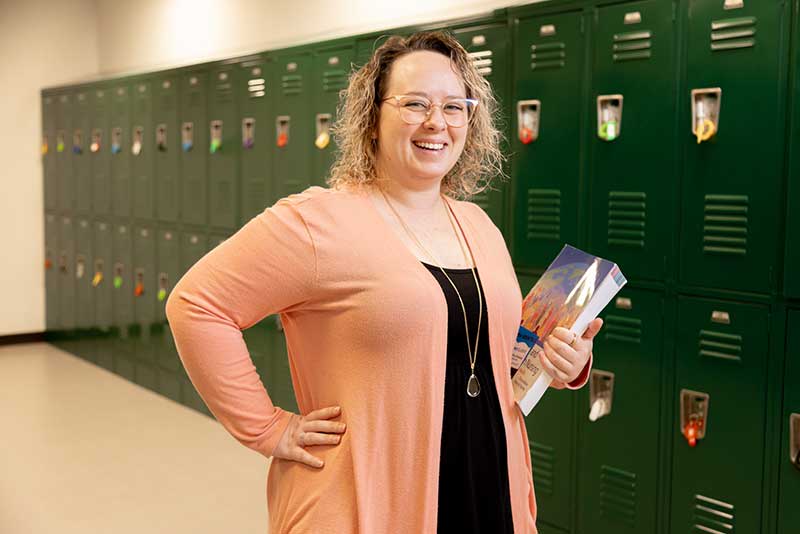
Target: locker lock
x,y
601,394
528,116
609,116
77,143
96,138
694,415
48,263
138,137
162,287
248,133
138,289
323,137
80,267
161,137
216,137
794,439
117,275
282,127
98,273
45,146
60,142
116,140
62,263
187,136
706,105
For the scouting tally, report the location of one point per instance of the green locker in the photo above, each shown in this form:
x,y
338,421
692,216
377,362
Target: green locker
x,y
102,274
81,163
281,390
48,150
735,87
122,300
488,47
632,107
619,416
193,247
788,511
144,303
168,275
254,93
720,399
120,148
791,283
167,146
100,150
548,78
66,267
330,73
224,147
65,177
291,163
51,272
143,148
84,309
194,147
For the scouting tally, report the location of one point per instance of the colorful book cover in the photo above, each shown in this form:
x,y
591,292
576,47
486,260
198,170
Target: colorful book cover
x,y
571,293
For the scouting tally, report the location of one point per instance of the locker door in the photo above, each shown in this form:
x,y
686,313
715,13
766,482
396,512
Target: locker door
x,y
83,274
100,151
81,163
488,46
721,362
142,150
791,283
66,180
224,148
168,275
730,227
48,150
102,274
194,147
66,267
548,74
167,147
293,125
254,92
193,247
122,277
788,511
619,416
52,274
121,151
144,275
331,71
633,168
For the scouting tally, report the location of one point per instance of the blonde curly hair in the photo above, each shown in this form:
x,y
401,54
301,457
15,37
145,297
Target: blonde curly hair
x,y
359,109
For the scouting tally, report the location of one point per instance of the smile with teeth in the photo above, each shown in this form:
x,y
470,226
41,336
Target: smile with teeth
x,y
429,146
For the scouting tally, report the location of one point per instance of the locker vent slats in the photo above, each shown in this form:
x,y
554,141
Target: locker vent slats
x,y
632,46
543,461
720,345
544,214
334,80
627,216
618,494
625,329
712,516
291,84
548,56
482,60
725,224
733,34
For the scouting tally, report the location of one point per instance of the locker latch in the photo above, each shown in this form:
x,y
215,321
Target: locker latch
x,y
162,286
48,263
138,289
60,141
216,137
117,275
187,136
694,415
323,137
601,394
282,127
97,136
161,137
706,105
98,273
528,116
794,439
77,142
45,146
138,136
248,132
116,140
80,266
62,263
609,116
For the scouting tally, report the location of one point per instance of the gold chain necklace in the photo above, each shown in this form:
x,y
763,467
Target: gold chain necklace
x,y
473,386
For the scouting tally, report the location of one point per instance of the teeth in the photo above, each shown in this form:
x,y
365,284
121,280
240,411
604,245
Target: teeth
x,y
431,146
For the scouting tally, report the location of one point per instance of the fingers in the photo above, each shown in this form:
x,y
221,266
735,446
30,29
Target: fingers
x,y
304,457
561,367
593,328
324,413
551,369
331,427
308,439
563,334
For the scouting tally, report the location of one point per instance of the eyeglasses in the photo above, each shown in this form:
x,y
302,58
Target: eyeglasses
x,y
414,109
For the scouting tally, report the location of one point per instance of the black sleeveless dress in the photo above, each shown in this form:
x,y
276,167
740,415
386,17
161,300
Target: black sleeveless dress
x,y
473,474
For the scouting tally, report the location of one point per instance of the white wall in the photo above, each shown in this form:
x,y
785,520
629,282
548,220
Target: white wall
x,y
45,43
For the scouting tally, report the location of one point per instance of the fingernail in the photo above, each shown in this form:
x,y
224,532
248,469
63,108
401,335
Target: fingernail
x,y
320,463
342,427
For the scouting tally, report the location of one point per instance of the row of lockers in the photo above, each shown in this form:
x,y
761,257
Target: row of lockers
x,y
652,133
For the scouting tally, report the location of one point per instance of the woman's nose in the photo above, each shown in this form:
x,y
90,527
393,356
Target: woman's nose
x,y
435,120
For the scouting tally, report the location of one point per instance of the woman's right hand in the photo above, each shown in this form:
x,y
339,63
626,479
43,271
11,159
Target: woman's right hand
x,y
309,430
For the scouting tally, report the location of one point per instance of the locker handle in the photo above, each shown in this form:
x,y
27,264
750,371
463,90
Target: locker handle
x,y
794,439
694,415
138,289
162,287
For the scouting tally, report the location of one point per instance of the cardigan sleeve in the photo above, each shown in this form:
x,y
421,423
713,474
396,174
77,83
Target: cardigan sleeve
x,y
269,266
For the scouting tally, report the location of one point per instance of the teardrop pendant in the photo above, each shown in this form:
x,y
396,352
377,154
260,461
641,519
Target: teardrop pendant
x,y
473,387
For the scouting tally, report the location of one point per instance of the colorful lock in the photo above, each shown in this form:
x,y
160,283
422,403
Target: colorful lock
x,y
283,140
706,131
60,145
115,148
216,144
162,294
117,281
95,147
608,131
322,140
138,291
98,277
525,136
45,147
248,143
48,264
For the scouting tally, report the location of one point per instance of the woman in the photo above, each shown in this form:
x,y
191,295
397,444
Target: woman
x,y
400,307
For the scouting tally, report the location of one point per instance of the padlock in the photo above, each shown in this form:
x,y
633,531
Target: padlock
x,y
526,136
97,278
283,140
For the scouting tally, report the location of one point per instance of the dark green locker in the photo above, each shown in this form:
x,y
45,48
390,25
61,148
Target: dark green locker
x,y
122,301
48,150
99,143
167,147
64,139
81,163
144,303
84,309
52,273
291,163
254,92
330,72
168,275
281,390
224,149
720,398
548,74
120,148
143,147
193,247
194,147
619,417
788,511
102,287
66,268
735,73
632,169
488,47
791,282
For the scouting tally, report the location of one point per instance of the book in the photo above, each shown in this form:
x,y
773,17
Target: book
x,y
571,293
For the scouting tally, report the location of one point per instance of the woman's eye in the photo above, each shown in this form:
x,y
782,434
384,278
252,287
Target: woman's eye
x,y
416,105
454,107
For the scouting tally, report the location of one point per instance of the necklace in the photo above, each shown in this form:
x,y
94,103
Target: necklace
x,y
473,386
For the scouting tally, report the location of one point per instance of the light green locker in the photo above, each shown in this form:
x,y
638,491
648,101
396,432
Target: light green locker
x,y
143,148
720,398
788,511
144,304
255,91
65,177
293,124
194,147
167,146
546,169
791,282
99,152
48,150
102,279
168,275
619,415
66,267
735,84
632,116
52,273
225,138
84,308
120,148
81,162
193,247
122,300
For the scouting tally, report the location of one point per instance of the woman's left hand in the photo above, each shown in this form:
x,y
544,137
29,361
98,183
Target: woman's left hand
x,y
565,354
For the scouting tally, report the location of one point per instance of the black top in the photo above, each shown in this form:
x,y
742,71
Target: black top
x,y
473,474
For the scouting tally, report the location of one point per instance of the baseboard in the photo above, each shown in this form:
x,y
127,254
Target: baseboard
x,y
15,339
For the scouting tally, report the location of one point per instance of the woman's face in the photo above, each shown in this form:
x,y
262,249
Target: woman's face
x,y
399,154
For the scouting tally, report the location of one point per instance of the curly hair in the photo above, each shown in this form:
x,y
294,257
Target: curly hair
x,y
359,109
